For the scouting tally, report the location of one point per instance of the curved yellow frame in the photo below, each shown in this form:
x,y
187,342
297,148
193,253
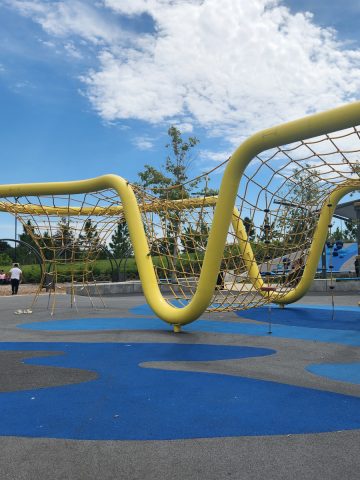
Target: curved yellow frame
x,y
308,127
315,251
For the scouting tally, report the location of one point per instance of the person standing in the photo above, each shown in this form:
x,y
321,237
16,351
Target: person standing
x,y
357,266
15,278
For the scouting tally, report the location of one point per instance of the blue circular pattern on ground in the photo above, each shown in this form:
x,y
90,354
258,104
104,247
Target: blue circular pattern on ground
x,y
343,318
344,372
295,322
128,402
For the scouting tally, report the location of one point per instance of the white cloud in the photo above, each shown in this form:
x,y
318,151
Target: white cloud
x,y
217,157
143,143
47,43
231,69
209,159
184,127
22,85
234,70
72,51
67,18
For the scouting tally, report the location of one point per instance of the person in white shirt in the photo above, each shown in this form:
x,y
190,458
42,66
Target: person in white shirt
x,y
15,278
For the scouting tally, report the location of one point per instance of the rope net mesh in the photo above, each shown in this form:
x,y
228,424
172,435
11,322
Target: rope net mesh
x,y
70,232
280,197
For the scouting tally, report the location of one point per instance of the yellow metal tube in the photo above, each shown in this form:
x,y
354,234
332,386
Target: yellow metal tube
x,y
317,244
246,251
157,205
314,255
311,126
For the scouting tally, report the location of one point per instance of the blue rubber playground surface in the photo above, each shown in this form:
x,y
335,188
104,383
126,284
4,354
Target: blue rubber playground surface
x,y
341,325
128,402
134,399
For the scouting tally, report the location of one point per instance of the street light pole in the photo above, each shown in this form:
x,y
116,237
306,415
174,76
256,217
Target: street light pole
x,y
15,251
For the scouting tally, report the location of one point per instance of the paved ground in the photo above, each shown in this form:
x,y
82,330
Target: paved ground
x,y
113,393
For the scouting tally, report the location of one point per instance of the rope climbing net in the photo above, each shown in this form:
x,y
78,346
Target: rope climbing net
x,y
70,232
280,199
284,204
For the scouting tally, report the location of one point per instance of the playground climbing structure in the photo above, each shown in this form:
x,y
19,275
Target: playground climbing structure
x,y
258,240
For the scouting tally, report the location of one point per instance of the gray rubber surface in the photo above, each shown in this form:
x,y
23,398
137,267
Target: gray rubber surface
x,y
317,456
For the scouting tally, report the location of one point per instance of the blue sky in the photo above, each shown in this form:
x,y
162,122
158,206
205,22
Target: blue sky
x,y
91,87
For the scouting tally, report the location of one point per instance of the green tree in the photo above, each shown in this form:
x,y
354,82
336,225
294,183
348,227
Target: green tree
x,y
337,234
24,254
64,239
249,228
120,244
47,245
5,259
350,232
89,237
174,174
7,249
195,239
299,219
175,170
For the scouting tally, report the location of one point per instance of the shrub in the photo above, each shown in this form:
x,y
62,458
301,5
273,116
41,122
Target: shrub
x,y
5,260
